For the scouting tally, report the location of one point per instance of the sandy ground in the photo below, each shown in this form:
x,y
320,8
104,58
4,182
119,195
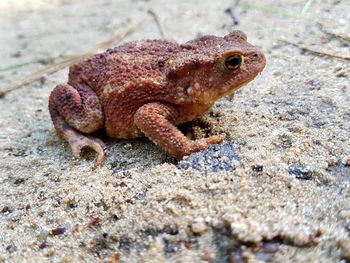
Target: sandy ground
x,y
284,196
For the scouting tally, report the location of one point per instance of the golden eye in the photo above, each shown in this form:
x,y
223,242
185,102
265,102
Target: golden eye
x,y
233,62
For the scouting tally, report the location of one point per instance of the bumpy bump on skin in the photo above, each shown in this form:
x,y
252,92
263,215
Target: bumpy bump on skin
x,y
147,87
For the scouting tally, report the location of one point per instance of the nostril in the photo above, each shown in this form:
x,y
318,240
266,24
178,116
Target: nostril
x,y
255,54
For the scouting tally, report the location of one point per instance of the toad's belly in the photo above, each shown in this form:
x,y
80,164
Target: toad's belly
x,y
120,124
119,117
123,132
119,114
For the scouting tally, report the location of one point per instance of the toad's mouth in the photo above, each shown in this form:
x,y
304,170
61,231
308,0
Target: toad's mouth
x,y
224,91
231,90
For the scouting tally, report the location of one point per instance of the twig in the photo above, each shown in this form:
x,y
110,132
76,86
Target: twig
x,y
43,61
69,60
231,12
306,7
157,21
345,39
316,52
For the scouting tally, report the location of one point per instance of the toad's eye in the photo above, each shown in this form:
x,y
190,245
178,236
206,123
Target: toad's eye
x,y
233,62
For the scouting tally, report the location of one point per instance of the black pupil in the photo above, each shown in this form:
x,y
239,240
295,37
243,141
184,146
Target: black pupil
x,y
233,62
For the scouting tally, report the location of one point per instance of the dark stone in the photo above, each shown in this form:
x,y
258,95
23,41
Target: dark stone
x,y
58,231
19,181
43,245
140,195
347,227
6,209
258,168
300,172
115,217
11,248
215,158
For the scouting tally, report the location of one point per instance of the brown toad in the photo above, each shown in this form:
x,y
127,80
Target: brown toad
x,y
145,88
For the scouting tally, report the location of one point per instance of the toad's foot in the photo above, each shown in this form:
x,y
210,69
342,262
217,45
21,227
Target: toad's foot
x,y
78,141
202,144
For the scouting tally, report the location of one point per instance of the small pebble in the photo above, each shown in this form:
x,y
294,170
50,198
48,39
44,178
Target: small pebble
x,y
332,161
347,227
346,161
58,231
341,74
11,248
258,168
50,252
199,226
324,165
94,220
345,248
19,181
307,143
68,202
6,209
265,91
114,258
298,128
216,223
295,150
43,245
344,214
77,228
300,172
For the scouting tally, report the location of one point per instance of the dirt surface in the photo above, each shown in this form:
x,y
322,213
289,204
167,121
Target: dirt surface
x,y
280,192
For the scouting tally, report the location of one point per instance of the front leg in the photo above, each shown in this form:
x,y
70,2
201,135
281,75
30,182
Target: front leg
x,y
156,120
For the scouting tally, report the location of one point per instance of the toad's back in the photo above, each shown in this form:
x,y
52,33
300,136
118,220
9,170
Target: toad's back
x,y
130,63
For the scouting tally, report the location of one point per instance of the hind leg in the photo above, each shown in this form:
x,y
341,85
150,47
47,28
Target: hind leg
x,y
74,111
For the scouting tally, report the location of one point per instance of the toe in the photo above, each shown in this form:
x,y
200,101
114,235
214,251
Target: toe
x,y
76,149
215,139
99,150
78,145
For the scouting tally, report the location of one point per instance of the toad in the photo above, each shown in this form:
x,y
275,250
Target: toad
x,y
146,88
